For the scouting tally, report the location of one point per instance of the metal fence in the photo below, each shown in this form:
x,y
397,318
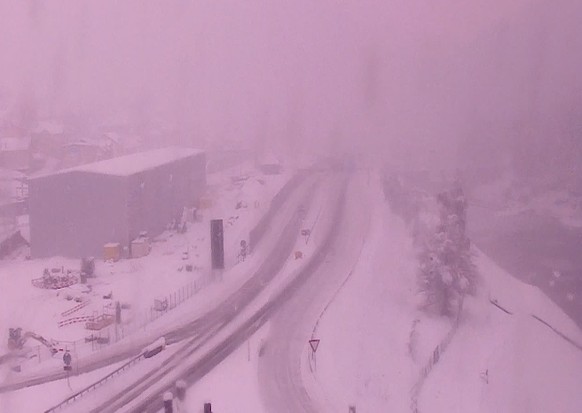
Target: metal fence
x,y
97,340
93,386
433,360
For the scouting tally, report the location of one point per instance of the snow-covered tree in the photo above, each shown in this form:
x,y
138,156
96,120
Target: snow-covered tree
x,y
446,270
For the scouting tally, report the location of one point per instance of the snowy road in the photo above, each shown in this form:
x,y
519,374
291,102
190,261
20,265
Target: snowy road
x,y
199,364
205,328
280,369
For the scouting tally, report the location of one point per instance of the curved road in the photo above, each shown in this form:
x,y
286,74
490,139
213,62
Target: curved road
x,y
195,371
280,375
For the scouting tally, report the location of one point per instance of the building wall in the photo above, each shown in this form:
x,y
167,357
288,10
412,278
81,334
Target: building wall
x,y
15,159
157,196
74,214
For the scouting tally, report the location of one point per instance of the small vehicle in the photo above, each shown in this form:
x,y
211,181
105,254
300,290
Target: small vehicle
x,y
154,348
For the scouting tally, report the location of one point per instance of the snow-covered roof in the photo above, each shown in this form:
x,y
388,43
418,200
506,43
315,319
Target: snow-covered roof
x,y
50,127
14,144
134,163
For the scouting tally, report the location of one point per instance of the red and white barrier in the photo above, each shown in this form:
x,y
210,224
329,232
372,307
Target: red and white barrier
x,y
75,320
75,308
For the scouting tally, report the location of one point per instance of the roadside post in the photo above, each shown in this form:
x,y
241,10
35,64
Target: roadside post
x,y
180,402
244,250
217,247
181,390
306,233
168,399
67,367
314,344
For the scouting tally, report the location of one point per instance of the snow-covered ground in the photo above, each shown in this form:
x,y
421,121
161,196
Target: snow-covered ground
x,y
240,196
374,341
363,359
233,385
503,362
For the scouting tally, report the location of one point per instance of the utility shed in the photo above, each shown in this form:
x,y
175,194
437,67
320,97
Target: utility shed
x,y
75,212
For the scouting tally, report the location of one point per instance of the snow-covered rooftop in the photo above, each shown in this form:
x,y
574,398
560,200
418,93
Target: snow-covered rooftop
x,y
50,127
137,162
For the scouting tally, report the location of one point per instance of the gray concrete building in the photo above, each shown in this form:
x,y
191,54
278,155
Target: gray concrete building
x,y
75,212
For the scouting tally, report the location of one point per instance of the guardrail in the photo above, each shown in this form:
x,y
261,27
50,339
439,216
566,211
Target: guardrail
x,y
75,308
75,320
78,395
558,332
433,360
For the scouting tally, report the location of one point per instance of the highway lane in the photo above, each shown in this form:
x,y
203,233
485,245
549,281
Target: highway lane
x,y
205,328
280,375
209,359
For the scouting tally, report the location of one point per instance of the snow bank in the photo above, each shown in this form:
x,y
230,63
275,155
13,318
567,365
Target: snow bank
x,y
500,362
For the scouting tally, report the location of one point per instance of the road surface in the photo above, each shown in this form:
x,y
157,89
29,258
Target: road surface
x,y
280,375
195,368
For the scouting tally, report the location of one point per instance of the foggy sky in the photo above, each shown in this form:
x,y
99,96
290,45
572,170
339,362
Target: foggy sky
x,y
401,78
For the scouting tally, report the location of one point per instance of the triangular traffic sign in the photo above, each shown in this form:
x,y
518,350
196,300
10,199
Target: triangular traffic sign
x,y
314,343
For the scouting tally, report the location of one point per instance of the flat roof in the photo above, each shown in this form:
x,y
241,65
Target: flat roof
x,y
134,163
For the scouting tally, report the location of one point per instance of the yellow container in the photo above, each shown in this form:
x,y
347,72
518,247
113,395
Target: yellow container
x,y
204,203
112,251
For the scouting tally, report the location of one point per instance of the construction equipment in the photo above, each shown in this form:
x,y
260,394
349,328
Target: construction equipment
x,y
55,279
100,322
16,339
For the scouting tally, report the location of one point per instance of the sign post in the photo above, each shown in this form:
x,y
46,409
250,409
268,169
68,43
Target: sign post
x,y
67,367
244,250
314,344
306,233
217,244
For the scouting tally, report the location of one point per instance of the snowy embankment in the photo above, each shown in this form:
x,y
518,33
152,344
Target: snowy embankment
x,y
507,362
363,358
375,343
